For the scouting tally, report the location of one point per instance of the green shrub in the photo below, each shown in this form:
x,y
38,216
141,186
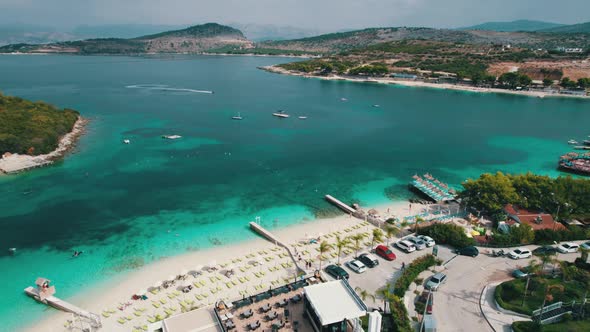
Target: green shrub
x,y
525,326
399,313
411,272
448,234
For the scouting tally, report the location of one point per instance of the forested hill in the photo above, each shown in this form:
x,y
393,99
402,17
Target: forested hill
x,y
194,39
33,128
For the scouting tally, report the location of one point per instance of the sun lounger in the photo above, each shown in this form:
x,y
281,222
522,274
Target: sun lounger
x,y
121,321
163,301
171,296
138,313
151,319
106,314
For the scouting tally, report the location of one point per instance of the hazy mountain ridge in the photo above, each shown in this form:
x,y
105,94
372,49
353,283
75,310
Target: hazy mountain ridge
x,y
513,26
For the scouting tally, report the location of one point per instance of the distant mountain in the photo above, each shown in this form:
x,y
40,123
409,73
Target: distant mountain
x,y
195,39
574,28
343,41
120,30
31,34
261,32
512,26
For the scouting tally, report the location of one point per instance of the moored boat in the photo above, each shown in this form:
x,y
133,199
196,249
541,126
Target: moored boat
x,y
302,117
281,114
573,162
171,136
237,117
573,142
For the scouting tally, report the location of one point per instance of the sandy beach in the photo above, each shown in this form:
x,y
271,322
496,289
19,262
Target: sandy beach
x,y
15,163
444,86
111,294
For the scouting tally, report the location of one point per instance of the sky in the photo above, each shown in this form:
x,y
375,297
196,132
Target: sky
x,y
320,15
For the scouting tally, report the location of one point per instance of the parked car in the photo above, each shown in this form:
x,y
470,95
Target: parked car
x,y
585,245
385,252
427,239
369,260
418,243
435,281
468,251
406,246
545,250
523,272
336,272
424,297
520,253
565,248
356,266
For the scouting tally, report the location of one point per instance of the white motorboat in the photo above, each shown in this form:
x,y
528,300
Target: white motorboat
x,y
237,117
171,136
281,114
126,141
302,117
573,142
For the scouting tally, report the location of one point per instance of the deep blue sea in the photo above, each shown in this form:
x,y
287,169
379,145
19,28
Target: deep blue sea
x,y
128,205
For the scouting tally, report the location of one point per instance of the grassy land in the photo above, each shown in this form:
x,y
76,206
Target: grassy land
x,y
509,294
258,51
569,326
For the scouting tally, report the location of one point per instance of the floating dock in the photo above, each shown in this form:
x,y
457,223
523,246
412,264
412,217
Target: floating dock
x,y
433,188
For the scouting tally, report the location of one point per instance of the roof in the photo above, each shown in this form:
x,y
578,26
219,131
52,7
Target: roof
x,y
202,320
334,301
537,220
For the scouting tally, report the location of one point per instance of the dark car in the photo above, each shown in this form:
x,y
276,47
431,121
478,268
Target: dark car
x,y
468,251
545,250
369,260
426,296
336,272
384,252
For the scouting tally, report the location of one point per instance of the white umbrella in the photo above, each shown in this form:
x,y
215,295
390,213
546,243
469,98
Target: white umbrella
x,y
186,283
158,284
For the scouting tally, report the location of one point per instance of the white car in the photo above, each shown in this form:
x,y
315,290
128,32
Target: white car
x,y
406,246
427,239
417,242
520,253
565,248
356,266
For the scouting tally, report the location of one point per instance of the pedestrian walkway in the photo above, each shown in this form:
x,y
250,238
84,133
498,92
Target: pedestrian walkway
x,y
498,319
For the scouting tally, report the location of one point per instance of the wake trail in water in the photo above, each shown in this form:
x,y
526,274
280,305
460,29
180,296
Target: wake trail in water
x,y
158,87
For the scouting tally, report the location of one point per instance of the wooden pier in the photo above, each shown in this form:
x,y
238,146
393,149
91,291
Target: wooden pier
x,y
62,305
360,214
269,236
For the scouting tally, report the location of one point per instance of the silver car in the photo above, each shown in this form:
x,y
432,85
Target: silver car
x,y
417,242
435,281
427,239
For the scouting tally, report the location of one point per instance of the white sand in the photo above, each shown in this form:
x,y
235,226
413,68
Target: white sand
x,y
445,86
119,290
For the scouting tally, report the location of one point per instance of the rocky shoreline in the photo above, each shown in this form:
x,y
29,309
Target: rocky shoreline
x,y
16,163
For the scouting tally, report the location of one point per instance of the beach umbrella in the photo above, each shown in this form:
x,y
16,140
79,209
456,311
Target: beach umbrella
x,y
186,283
158,284
373,211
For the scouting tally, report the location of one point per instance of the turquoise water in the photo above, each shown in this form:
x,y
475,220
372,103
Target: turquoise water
x,y
127,205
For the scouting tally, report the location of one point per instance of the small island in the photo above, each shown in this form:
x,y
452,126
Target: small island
x,y
35,134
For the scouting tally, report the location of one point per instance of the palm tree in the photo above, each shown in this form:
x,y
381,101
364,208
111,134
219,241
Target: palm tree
x,y
377,236
391,231
363,294
324,247
533,268
546,259
568,270
357,238
386,295
340,244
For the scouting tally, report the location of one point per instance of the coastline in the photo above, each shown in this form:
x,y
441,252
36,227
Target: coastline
x,y
420,84
118,289
16,163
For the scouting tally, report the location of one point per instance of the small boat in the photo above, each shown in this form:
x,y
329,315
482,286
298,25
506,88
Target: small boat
x,y
237,117
281,114
343,99
376,105
302,117
126,141
573,142
586,142
581,147
171,136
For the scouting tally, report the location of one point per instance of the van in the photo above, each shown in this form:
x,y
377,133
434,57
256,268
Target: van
x,y
406,246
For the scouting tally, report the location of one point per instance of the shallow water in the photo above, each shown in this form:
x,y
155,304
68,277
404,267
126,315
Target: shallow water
x,y
127,205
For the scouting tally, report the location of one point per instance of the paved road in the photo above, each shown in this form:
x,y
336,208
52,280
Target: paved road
x,y
457,302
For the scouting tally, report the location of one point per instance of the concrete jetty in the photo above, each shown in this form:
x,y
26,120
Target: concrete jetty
x,y
269,236
44,294
360,214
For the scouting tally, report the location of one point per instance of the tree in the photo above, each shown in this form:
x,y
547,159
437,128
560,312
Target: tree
x,y
547,82
340,244
524,80
489,193
584,82
509,80
548,289
356,246
386,294
546,259
377,236
567,83
324,247
522,234
391,231
532,268
364,294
